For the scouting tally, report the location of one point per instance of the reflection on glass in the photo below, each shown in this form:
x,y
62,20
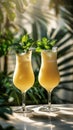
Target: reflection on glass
x,y
49,75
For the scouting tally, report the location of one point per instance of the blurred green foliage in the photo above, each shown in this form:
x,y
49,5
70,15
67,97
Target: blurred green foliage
x,y
6,40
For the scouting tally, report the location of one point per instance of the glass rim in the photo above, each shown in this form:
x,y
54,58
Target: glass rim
x,y
53,49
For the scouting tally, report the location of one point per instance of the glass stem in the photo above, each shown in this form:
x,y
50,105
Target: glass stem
x,y
23,101
49,100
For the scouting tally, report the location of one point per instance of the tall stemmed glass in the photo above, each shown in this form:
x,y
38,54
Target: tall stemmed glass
x,y
49,75
23,77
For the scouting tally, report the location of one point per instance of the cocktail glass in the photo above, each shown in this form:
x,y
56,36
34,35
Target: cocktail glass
x,y
23,77
49,76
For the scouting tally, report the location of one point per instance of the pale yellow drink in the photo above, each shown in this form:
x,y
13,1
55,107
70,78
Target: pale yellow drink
x,y
49,74
23,77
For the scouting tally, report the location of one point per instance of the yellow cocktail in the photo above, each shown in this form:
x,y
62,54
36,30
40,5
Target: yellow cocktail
x,y
23,77
49,76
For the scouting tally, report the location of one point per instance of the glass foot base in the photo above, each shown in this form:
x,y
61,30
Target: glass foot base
x,y
49,109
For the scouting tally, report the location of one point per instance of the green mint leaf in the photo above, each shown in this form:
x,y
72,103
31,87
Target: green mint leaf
x,y
25,38
53,42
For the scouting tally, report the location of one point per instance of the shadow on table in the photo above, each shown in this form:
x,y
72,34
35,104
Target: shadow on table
x,y
63,120
58,121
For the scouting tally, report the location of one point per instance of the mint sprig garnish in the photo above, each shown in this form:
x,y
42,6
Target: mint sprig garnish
x,y
23,44
45,44
27,42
